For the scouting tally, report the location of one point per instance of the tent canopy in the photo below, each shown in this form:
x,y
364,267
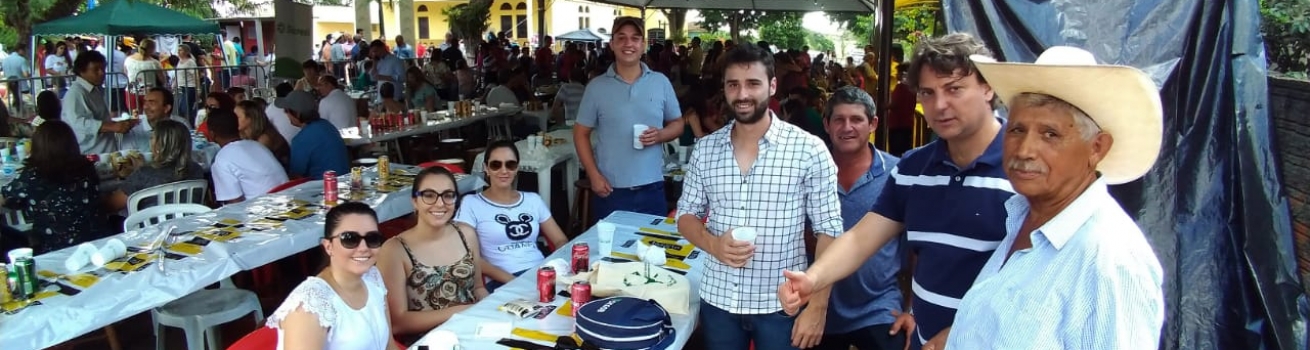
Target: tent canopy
x,y
762,5
126,17
587,34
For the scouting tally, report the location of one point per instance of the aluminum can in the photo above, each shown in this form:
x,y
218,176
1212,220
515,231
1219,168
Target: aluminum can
x,y
384,168
330,188
356,179
546,284
581,260
4,284
580,293
27,281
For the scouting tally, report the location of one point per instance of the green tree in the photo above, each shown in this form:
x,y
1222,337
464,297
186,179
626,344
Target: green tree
x,y
737,20
908,24
785,31
1285,25
818,41
468,21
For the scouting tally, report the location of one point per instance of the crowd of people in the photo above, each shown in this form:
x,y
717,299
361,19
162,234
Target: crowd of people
x,y
1000,234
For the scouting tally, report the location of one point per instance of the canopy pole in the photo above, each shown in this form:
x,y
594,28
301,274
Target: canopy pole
x,y
885,11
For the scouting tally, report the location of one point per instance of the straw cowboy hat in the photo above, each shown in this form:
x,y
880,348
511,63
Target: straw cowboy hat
x,y
1122,100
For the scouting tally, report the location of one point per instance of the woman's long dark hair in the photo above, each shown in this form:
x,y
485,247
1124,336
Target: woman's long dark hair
x,y
56,155
338,212
225,101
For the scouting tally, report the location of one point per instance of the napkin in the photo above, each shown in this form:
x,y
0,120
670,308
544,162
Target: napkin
x,y
113,249
81,256
652,254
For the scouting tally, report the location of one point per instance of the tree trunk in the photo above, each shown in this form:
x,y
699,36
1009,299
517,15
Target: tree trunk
x,y
734,27
677,24
20,18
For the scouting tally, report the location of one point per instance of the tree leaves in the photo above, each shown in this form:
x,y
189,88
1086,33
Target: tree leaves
x,y
1286,29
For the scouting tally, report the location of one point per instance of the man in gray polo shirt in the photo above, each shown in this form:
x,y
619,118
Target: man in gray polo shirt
x,y
629,93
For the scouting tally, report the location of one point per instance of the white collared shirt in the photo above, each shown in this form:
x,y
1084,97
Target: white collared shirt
x,y
792,179
1089,281
84,109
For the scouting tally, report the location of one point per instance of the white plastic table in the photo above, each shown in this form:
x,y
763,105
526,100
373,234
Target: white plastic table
x,y
466,324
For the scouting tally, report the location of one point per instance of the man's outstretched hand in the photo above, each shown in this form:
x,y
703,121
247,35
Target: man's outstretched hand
x,y
795,291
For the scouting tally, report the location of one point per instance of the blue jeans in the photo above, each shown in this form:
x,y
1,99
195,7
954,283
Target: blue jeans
x,y
725,331
493,284
645,199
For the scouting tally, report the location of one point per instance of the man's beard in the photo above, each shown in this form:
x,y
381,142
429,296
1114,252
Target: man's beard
x,y
755,116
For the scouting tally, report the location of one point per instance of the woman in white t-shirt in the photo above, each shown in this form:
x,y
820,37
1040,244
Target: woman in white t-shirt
x,y
344,307
507,220
56,65
144,69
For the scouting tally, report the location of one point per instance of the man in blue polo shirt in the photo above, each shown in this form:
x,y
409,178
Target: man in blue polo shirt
x,y
318,146
948,196
860,309
622,176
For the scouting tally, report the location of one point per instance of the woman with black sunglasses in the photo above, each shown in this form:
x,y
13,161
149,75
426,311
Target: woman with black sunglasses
x,y
435,263
344,307
507,220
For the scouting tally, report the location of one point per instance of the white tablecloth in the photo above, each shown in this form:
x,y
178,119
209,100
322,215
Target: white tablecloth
x,y
466,324
541,160
363,137
119,296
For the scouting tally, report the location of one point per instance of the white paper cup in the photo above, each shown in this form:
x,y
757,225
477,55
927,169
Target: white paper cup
x,y
605,231
637,130
744,234
16,254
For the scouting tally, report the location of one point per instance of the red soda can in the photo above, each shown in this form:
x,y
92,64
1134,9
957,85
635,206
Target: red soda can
x,y
580,293
581,261
546,284
94,158
330,187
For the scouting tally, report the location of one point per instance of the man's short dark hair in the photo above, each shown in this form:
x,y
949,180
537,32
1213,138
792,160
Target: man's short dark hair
x,y
283,89
223,124
745,54
377,44
946,55
331,80
386,90
309,64
85,59
168,95
851,95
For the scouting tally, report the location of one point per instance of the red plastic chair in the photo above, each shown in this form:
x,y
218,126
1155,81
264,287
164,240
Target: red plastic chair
x,y
453,168
288,184
265,338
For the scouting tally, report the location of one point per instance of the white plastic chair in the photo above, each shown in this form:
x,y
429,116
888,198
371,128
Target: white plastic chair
x,y
199,313
160,213
17,219
181,192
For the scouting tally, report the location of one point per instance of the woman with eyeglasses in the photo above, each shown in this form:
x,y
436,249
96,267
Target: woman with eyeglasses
x,y
344,306
435,263
508,221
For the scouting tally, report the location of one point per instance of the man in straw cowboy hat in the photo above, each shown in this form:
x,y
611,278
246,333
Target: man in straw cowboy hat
x,y
1074,270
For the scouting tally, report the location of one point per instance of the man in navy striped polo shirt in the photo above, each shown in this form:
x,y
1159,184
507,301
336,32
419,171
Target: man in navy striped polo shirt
x,y
948,195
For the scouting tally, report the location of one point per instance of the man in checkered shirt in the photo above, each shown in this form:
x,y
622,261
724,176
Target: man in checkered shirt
x,y
762,173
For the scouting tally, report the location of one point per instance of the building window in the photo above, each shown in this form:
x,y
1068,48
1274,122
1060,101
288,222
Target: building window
x,y
580,9
588,19
505,7
423,30
521,7
582,24
523,27
422,8
506,23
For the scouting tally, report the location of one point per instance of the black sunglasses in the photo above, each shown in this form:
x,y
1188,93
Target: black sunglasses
x,y
430,196
495,165
351,239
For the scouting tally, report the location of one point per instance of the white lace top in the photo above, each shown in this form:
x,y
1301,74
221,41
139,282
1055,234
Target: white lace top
x,y
363,329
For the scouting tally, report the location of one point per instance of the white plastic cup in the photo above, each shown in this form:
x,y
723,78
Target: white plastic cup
x,y
19,253
605,231
4,154
450,106
744,234
21,150
637,130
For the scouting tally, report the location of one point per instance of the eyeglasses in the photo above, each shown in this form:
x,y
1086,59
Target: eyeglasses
x,y
511,165
430,196
351,239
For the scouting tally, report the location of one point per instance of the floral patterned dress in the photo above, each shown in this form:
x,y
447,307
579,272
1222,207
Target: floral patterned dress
x,y
440,287
62,215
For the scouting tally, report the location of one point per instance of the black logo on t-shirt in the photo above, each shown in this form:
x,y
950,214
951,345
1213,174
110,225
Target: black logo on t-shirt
x,y
516,230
